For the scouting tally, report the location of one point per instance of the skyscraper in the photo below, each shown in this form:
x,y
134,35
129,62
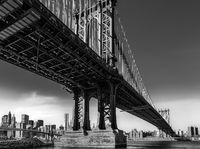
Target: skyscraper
x,y
13,121
4,120
196,131
24,119
191,131
66,121
40,123
9,118
31,122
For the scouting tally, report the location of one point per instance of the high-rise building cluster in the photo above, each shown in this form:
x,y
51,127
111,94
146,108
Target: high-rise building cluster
x,y
193,131
141,135
9,121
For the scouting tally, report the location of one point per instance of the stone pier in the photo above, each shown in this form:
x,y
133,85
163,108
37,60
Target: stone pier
x,y
95,138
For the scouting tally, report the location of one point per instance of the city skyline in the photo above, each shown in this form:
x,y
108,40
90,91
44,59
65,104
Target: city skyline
x,y
164,37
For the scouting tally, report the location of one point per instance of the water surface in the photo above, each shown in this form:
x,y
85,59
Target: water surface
x,y
147,145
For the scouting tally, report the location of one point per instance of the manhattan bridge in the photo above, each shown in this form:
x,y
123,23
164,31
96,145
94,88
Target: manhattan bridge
x,y
82,45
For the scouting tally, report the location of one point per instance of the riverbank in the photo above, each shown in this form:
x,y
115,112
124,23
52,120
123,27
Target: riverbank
x,y
23,143
165,144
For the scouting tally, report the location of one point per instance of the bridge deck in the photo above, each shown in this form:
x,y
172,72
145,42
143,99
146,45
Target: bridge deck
x,y
31,37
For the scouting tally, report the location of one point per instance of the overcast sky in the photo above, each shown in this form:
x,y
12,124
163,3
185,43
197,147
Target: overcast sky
x,y
164,35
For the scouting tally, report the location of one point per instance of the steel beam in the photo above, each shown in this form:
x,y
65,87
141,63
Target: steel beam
x,y
101,109
76,122
86,114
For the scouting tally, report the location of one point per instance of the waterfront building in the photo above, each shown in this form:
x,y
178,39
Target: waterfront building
x,y
4,121
40,123
20,134
140,134
191,131
47,128
13,121
9,118
61,127
53,128
24,119
180,133
196,131
155,133
31,122
66,115
133,134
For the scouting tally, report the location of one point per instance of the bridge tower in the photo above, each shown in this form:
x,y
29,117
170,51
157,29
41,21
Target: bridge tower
x,y
165,113
94,24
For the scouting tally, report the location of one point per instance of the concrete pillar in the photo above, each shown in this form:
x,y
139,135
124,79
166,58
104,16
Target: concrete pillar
x,y
113,90
101,108
76,124
86,114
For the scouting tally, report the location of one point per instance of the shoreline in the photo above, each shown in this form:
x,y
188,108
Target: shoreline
x,y
23,143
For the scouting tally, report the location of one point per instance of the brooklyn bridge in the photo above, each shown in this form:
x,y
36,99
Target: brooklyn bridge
x,y
80,44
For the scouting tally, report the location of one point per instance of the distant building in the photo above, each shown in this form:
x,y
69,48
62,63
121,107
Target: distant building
x,y
40,123
141,134
180,133
53,127
61,128
31,122
20,134
191,131
9,118
24,119
47,128
4,121
13,121
66,121
133,134
196,131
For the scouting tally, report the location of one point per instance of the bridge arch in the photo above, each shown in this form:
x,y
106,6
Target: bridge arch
x,y
93,116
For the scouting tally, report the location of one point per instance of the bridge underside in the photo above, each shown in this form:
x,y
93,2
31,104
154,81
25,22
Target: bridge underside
x,y
32,38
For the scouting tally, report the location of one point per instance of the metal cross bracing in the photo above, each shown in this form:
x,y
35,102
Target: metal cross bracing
x,y
41,48
85,55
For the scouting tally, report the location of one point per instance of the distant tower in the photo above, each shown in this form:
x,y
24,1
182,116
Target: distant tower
x,y
66,121
9,118
13,121
4,121
40,123
24,118
191,131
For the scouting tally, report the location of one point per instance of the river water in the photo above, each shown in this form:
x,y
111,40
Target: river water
x,y
148,145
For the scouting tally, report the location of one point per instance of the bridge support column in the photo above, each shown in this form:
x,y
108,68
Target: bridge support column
x,y
86,116
76,123
101,108
113,90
